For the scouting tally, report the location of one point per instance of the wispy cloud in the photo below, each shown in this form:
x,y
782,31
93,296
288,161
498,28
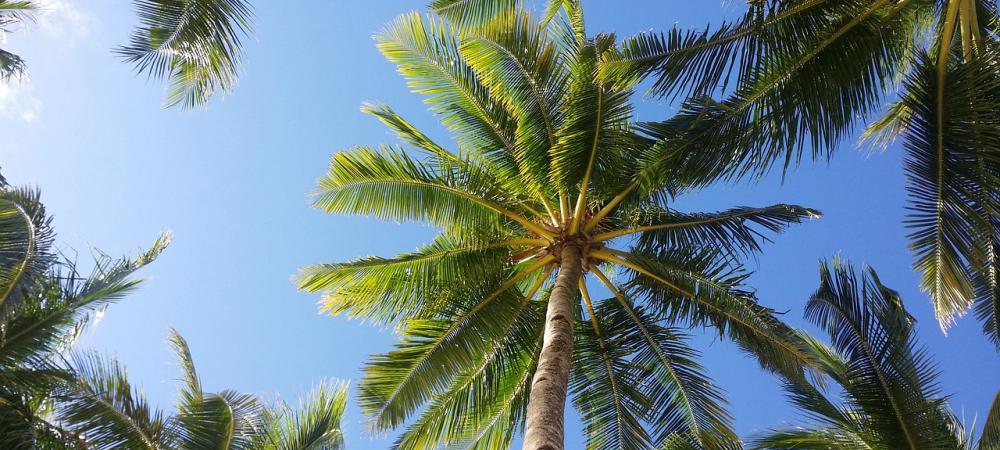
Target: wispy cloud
x,y
64,22
18,100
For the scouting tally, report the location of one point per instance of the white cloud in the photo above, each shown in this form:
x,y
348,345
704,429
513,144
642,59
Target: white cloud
x,y
18,101
62,21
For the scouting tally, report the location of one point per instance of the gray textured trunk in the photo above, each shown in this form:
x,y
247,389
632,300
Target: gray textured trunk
x,y
547,402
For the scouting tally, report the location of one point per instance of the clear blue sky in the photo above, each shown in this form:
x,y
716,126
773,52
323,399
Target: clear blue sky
x,y
232,181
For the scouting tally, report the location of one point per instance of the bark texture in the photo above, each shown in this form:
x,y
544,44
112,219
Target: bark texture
x,y
547,401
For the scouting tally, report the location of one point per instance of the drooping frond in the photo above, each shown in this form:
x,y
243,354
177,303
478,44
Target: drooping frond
x,y
435,350
606,388
484,403
673,394
700,289
952,185
889,379
102,403
196,45
806,71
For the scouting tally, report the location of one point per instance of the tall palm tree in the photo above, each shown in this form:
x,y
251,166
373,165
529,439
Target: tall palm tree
x,y
44,304
889,393
547,193
101,405
796,74
196,45
13,13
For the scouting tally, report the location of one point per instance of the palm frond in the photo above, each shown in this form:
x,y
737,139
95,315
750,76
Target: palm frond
x,y
953,204
410,285
483,403
25,242
388,184
793,61
737,231
522,69
699,288
990,439
103,404
426,53
890,379
315,424
433,351
195,44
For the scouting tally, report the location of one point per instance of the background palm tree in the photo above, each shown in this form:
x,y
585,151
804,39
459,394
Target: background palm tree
x,y
889,393
44,304
102,405
792,75
196,45
551,185
13,13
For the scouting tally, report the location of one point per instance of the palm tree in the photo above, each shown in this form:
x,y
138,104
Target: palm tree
x,y
548,191
13,13
103,406
805,72
44,304
195,44
890,397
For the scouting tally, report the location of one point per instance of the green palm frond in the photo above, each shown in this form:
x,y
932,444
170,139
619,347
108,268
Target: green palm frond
x,y
103,404
383,290
314,425
426,52
664,384
25,242
60,303
888,391
891,378
388,184
196,45
465,13
738,231
206,421
433,351
701,289
793,60
522,69
478,405
952,185
605,385
595,134
13,13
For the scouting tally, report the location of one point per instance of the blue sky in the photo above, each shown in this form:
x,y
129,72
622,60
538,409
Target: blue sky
x,y
231,181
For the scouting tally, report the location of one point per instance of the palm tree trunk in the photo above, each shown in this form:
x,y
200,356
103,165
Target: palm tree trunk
x,y
547,401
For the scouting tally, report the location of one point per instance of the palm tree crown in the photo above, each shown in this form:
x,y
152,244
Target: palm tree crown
x,y
551,184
